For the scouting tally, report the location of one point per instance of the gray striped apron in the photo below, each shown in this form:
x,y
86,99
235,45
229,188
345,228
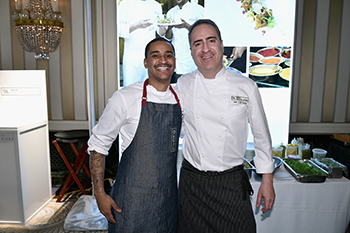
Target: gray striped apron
x,y
215,202
146,183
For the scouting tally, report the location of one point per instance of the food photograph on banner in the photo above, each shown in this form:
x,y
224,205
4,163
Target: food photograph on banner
x,y
258,37
141,21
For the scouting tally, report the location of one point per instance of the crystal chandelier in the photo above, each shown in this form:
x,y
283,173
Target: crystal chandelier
x,y
38,27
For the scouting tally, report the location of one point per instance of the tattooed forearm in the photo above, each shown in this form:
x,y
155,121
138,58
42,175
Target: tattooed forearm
x,y
97,165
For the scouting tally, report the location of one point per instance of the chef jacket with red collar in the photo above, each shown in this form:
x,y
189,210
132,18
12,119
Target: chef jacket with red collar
x,y
217,114
122,115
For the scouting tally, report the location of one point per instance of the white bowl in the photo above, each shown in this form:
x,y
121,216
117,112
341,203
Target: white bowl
x,y
264,70
256,55
287,62
285,74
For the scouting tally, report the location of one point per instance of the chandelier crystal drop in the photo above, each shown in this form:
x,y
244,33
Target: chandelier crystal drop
x,y
39,29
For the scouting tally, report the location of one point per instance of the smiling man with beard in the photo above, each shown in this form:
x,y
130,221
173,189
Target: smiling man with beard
x,y
147,115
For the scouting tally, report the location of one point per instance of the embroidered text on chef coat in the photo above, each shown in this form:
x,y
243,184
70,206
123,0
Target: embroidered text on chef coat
x,y
240,100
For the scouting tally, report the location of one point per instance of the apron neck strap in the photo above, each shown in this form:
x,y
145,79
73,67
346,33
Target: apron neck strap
x,y
175,95
144,95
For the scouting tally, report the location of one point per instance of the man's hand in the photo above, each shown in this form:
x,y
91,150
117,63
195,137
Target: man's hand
x,y
183,25
144,23
105,204
267,192
169,31
237,52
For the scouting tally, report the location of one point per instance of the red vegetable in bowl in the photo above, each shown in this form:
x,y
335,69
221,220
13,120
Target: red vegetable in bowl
x,y
269,52
254,58
286,54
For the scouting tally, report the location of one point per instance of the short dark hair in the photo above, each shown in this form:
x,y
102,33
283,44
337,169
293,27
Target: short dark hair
x,y
155,40
203,21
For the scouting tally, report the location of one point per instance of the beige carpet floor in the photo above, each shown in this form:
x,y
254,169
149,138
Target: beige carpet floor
x,y
49,219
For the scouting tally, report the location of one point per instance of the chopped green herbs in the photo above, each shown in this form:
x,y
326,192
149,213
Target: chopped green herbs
x,y
303,168
329,163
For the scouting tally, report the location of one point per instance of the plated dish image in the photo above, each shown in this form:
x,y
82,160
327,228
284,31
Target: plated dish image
x,y
270,66
167,21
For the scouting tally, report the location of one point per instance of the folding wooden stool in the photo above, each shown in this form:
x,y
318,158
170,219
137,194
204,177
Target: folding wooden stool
x,y
72,137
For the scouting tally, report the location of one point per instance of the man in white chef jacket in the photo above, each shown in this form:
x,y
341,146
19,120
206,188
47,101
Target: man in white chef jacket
x,y
218,104
137,21
187,13
147,116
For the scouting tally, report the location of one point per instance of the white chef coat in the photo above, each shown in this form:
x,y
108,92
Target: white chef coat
x,y
129,12
190,12
216,115
122,115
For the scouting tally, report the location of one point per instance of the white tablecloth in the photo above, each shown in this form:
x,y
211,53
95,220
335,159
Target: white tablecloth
x,y
304,207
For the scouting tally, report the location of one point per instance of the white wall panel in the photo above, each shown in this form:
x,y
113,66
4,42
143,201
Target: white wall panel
x,y
29,61
55,88
5,36
100,80
78,59
296,61
110,48
319,63
343,82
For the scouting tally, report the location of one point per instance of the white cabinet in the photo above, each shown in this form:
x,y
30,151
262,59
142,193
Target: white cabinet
x,y
25,176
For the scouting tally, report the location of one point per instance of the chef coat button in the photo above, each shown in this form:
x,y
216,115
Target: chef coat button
x,y
203,156
220,136
197,117
224,96
222,117
200,135
197,96
218,156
